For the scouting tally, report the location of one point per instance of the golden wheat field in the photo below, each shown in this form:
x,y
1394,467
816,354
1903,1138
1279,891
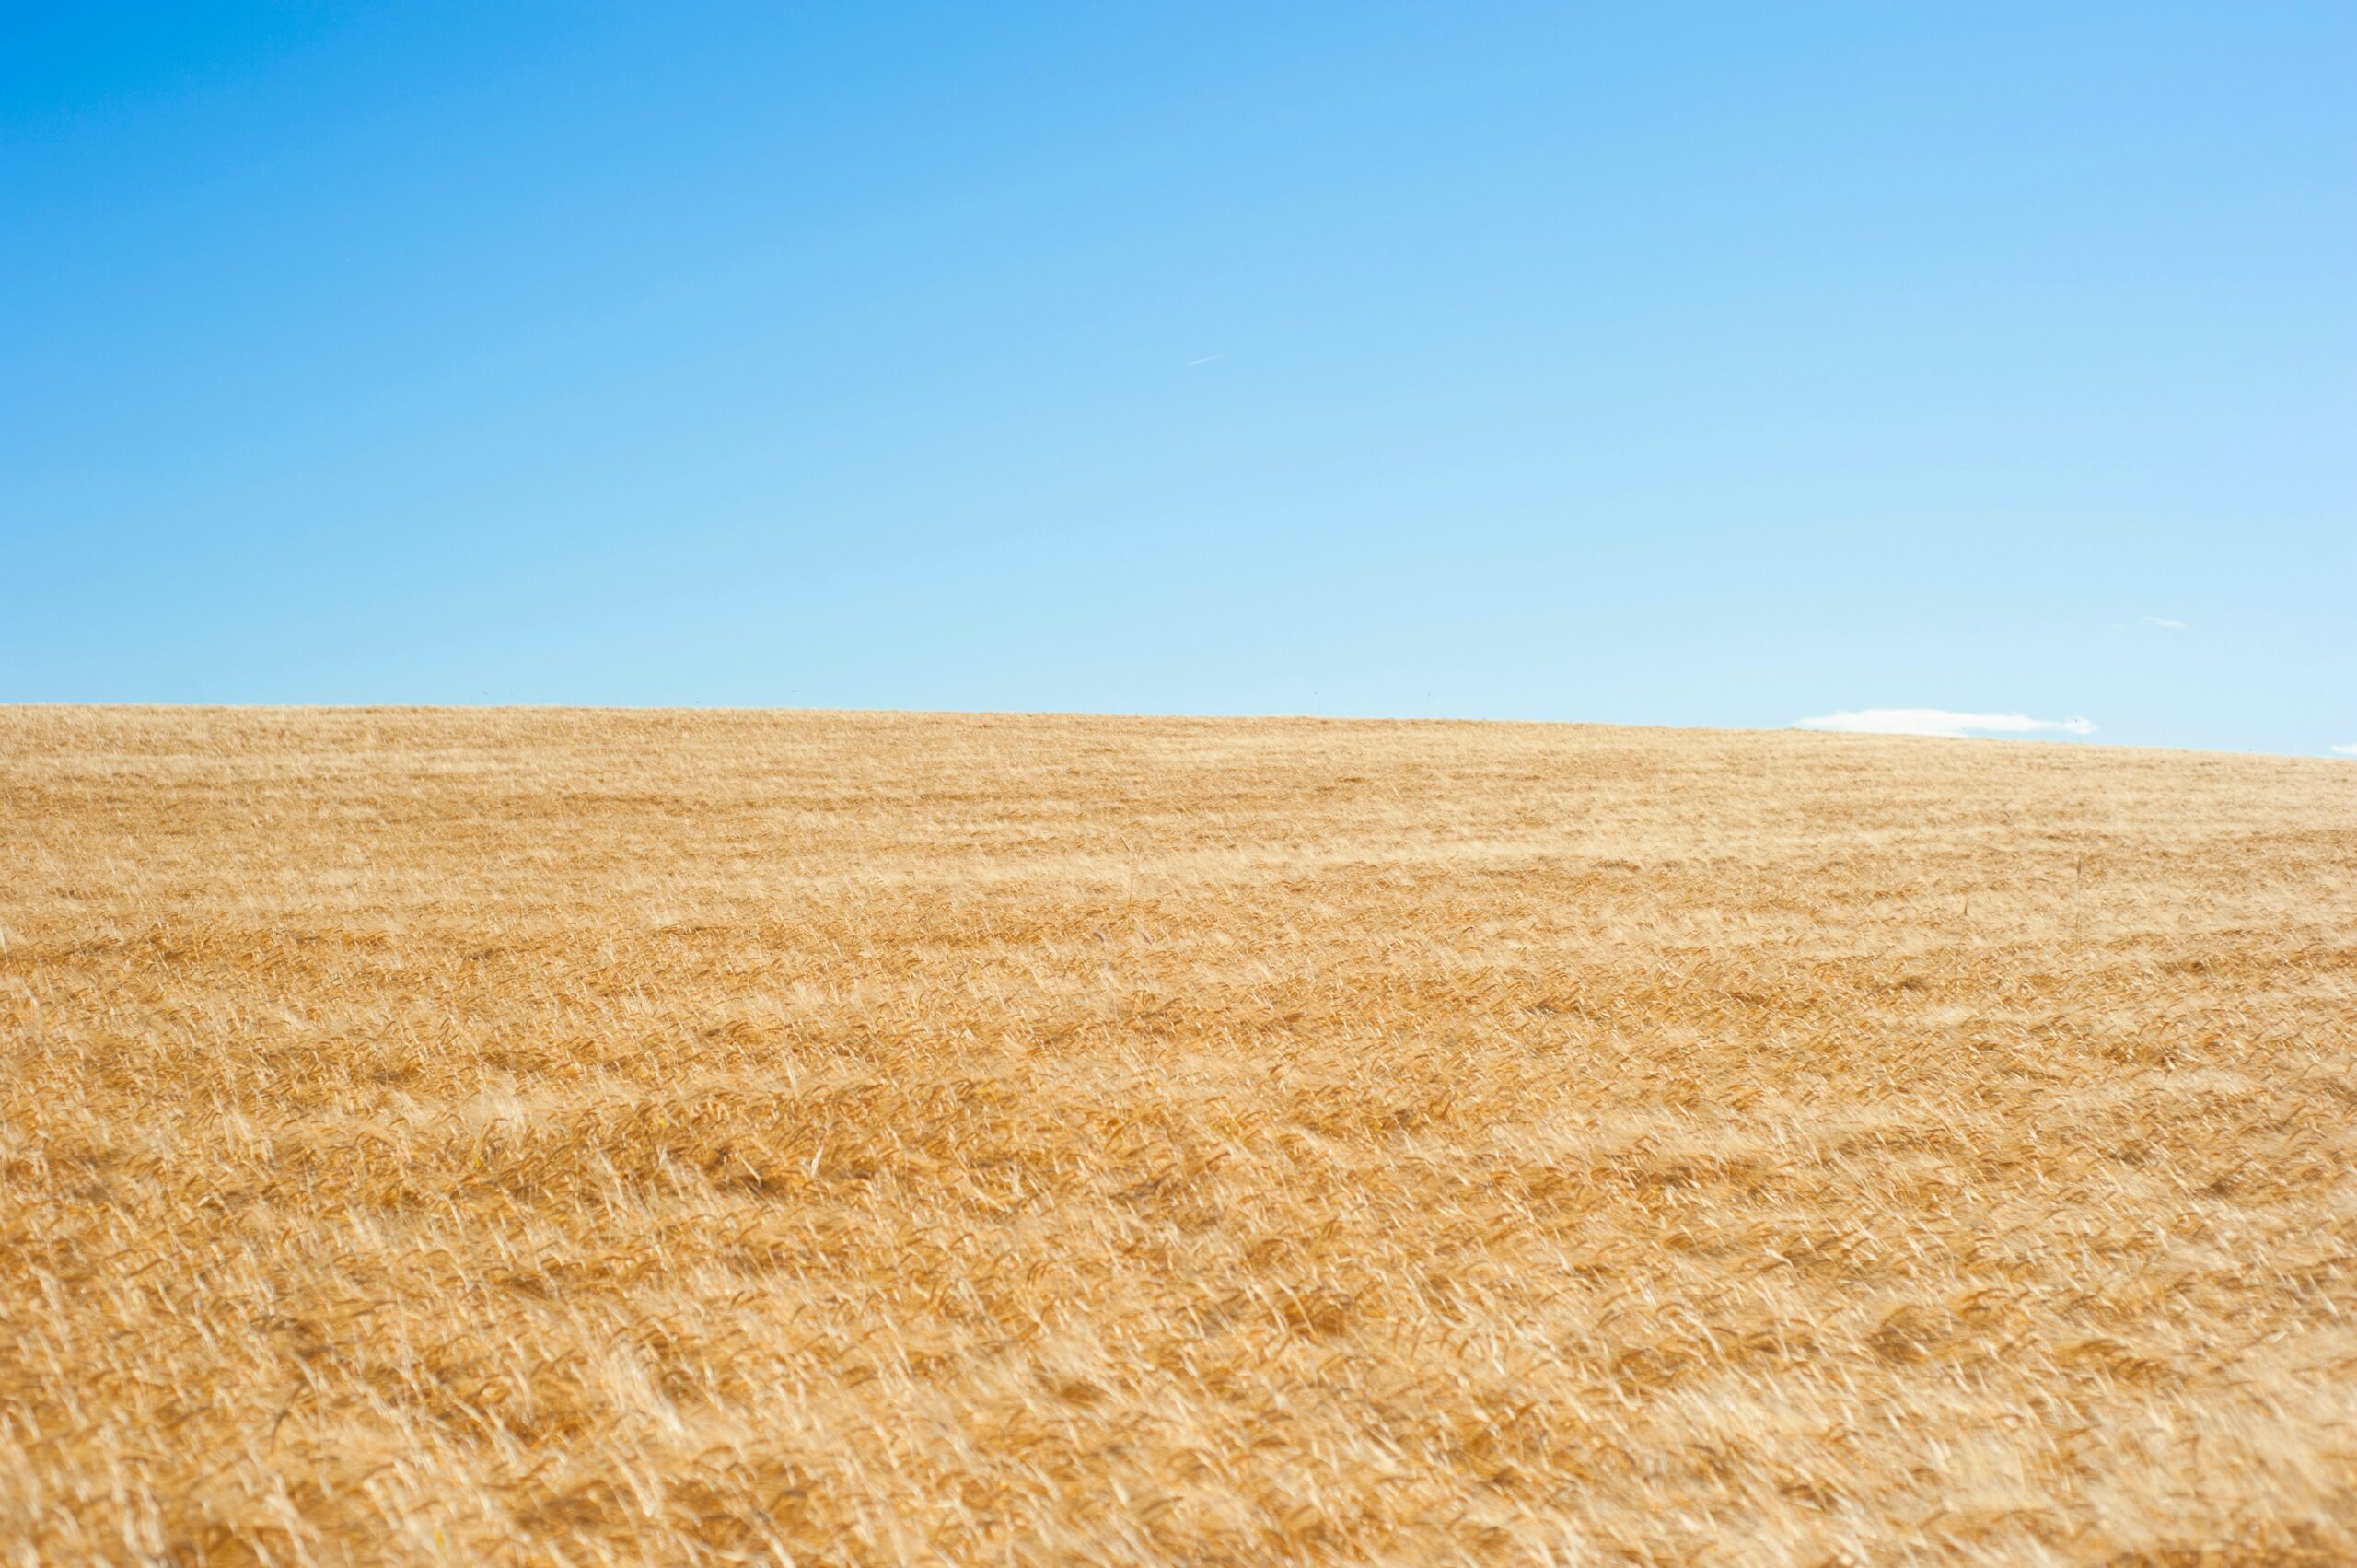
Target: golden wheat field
x,y
567,1137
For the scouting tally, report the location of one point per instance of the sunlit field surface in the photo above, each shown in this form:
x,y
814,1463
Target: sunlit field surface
x,y
579,1138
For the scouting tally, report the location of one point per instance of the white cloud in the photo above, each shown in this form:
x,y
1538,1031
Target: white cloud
x,y
1940,721
2345,751
2165,624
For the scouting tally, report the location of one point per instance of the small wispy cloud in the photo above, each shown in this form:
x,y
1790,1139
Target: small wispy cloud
x,y
1209,358
2345,751
2165,624
1941,721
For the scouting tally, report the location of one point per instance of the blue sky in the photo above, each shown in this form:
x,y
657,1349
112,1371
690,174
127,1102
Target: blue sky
x,y
1693,365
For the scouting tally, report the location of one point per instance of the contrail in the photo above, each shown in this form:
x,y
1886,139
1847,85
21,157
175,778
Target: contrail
x,y
1209,358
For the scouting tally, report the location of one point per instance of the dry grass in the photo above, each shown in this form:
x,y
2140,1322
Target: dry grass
x,y
573,1138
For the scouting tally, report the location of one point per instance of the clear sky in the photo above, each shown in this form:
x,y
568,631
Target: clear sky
x,y
1646,364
